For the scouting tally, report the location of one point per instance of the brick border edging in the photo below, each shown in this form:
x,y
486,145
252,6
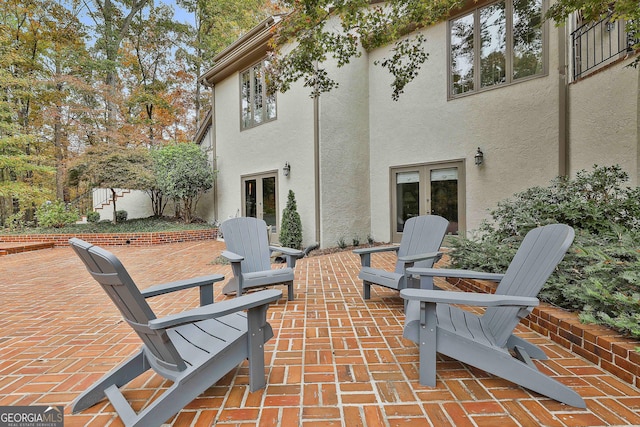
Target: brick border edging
x,y
598,344
117,239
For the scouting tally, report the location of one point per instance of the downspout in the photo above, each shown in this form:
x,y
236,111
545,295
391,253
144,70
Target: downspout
x,y
316,161
212,143
563,105
214,152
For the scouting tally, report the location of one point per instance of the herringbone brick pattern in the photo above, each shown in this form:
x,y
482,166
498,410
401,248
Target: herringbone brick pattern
x,y
335,359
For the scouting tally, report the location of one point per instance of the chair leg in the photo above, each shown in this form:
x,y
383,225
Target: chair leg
x,y
231,287
119,376
531,349
256,322
290,296
162,408
503,365
427,344
531,378
366,290
184,390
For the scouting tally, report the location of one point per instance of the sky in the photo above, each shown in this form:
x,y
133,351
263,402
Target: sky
x,y
181,15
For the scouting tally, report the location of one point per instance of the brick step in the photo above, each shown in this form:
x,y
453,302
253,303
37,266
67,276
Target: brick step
x,y
7,248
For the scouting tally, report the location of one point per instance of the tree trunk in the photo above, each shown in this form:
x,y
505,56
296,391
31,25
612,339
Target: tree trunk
x,y
58,142
113,199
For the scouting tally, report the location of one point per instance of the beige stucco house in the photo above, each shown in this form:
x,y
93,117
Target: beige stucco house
x,y
526,100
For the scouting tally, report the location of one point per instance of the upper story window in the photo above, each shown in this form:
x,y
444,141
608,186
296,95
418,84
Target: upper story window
x,y
256,104
496,44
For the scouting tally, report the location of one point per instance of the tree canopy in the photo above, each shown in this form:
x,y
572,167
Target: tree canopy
x,y
324,29
79,75
183,173
114,168
340,30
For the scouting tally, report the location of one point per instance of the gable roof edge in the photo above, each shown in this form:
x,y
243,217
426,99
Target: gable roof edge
x,y
203,128
245,49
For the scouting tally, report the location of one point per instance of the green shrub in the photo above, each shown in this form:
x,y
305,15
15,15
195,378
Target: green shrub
x,y
342,243
356,241
56,214
599,277
183,173
93,217
291,229
121,216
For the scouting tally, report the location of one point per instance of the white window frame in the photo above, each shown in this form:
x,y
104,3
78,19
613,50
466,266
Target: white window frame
x,y
249,117
509,79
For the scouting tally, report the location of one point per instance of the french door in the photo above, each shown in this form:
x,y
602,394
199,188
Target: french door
x,y
436,189
260,199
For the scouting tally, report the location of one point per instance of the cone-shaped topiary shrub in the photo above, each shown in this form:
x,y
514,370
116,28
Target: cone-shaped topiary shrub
x,y
291,229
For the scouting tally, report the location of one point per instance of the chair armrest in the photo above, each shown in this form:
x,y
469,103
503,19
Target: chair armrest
x,y
287,251
419,257
459,274
219,309
204,282
179,285
365,253
467,298
290,254
362,251
232,257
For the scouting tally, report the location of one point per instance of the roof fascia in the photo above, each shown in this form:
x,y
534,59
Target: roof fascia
x,y
243,52
204,126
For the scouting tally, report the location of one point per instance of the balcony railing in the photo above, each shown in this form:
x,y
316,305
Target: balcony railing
x,y
596,44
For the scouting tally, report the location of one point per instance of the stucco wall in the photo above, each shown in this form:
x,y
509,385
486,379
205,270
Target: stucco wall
x,y
516,127
137,204
603,120
266,148
364,133
344,155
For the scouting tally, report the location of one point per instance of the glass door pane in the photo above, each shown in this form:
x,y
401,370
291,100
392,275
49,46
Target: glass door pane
x,y
269,213
250,198
444,196
407,197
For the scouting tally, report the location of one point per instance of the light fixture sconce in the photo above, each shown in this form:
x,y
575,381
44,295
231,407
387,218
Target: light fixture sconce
x,y
479,157
286,170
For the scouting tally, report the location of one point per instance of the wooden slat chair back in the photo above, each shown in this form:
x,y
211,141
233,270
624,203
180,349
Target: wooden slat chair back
x,y
438,323
248,238
109,272
249,252
537,257
419,247
194,348
421,235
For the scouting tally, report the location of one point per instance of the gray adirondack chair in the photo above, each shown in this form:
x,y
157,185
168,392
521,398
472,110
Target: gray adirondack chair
x,y
485,341
419,247
194,349
249,252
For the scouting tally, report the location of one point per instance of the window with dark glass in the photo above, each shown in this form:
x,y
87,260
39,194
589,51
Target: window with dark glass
x,y
257,104
494,45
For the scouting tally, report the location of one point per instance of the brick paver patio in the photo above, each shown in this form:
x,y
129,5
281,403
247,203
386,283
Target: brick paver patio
x,y
335,359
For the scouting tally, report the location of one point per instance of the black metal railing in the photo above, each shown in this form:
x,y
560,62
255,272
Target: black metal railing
x,y
596,44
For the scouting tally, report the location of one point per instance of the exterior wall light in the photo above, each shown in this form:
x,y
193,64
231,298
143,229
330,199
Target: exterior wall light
x,y
479,157
286,170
